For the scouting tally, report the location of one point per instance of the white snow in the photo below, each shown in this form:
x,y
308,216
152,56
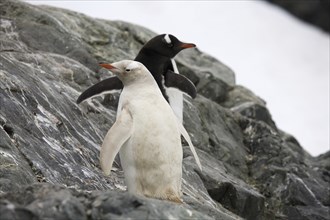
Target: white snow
x,y
281,59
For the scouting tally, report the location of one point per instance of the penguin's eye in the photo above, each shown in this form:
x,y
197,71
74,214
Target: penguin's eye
x,y
127,70
170,45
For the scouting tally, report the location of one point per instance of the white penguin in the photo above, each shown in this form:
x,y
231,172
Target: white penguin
x,y
147,136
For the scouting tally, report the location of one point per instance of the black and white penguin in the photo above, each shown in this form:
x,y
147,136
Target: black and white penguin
x,y
158,57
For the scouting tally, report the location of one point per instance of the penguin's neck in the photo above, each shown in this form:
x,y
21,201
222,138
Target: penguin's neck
x,y
139,81
155,63
142,87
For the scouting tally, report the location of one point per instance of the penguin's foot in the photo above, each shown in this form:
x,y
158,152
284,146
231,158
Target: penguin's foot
x,y
173,196
169,195
175,199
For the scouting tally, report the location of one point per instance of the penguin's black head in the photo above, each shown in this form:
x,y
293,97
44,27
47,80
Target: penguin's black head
x,y
166,45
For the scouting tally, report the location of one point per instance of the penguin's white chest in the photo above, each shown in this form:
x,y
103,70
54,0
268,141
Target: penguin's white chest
x,y
175,97
152,157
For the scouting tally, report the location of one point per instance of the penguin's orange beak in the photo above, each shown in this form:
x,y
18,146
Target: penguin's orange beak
x,y
187,45
107,66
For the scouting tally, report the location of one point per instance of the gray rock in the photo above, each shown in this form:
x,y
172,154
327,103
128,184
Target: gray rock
x,y
212,88
49,145
10,211
238,95
215,130
13,164
255,111
283,172
203,65
322,166
47,201
53,202
109,205
233,193
298,212
243,101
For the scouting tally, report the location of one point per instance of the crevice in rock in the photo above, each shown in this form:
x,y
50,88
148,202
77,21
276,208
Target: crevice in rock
x,y
224,194
212,143
8,50
9,130
136,203
37,172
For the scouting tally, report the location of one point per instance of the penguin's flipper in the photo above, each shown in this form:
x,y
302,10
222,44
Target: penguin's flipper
x,y
108,84
180,82
116,137
191,146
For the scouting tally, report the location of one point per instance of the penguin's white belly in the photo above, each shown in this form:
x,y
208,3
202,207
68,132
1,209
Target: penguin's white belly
x,y
175,98
152,157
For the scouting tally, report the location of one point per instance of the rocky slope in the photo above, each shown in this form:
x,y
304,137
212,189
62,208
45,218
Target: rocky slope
x,y
49,145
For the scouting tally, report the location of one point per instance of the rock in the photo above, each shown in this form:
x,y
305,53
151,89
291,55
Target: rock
x,y
214,130
238,95
201,65
255,111
233,193
13,164
283,172
322,166
49,145
110,205
11,211
57,202
302,213
243,101
212,88
298,193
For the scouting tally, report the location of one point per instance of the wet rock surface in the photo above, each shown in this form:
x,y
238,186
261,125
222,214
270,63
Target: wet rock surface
x,y
49,145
